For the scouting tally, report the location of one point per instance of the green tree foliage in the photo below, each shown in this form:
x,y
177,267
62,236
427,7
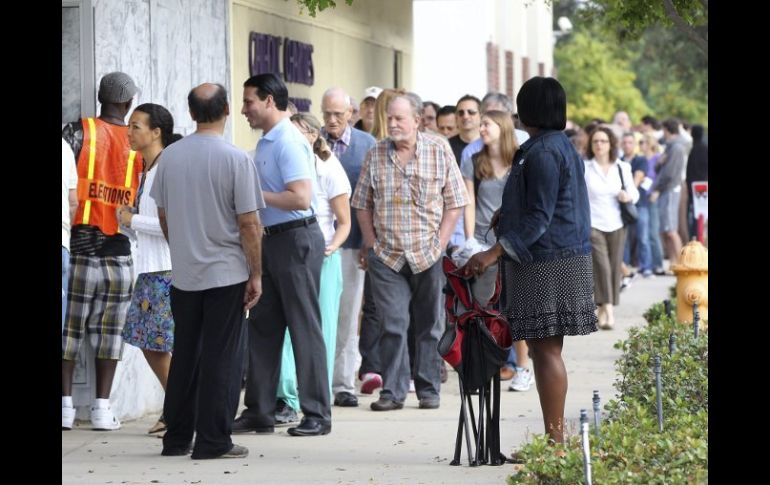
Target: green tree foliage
x,y
671,72
598,79
630,19
314,6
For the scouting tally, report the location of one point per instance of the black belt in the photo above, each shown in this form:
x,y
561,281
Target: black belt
x,y
285,226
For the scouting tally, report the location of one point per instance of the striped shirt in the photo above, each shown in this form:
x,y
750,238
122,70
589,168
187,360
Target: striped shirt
x,y
408,203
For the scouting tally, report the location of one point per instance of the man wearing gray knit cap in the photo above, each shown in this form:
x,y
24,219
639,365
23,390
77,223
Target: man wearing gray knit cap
x,y
116,87
100,278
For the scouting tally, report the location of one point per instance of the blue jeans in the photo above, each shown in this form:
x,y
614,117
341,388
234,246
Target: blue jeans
x,y
511,362
656,247
692,222
65,274
630,244
643,238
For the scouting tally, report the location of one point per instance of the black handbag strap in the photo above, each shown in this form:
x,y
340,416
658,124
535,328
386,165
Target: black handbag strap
x,y
622,183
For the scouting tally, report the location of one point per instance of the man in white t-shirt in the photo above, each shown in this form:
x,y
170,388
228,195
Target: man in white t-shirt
x,y
69,203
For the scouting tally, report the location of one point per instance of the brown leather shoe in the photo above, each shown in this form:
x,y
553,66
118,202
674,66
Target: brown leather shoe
x,y
506,373
385,404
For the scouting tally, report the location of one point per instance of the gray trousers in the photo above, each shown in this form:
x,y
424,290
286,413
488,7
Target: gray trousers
x,y
291,273
398,294
607,252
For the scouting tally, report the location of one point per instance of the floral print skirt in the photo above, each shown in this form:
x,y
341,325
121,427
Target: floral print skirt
x,y
149,323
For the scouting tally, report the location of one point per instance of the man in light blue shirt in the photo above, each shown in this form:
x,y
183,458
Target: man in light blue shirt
x,y
292,256
285,145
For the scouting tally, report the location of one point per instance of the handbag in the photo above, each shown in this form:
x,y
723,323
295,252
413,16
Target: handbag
x,y
628,212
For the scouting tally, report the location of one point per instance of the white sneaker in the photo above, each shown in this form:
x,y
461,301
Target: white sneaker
x,y
522,380
102,419
67,417
625,283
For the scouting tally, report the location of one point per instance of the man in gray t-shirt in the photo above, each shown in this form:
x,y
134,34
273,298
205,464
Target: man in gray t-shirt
x,y
208,194
668,187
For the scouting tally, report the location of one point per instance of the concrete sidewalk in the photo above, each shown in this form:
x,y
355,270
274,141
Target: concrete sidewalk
x,y
411,446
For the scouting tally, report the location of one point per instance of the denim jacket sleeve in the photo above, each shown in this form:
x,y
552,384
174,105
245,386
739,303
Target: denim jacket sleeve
x,y
540,175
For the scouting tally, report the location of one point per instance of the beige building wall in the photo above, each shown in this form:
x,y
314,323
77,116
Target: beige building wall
x,y
354,47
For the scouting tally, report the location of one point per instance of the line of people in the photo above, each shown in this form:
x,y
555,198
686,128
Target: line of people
x,y
269,262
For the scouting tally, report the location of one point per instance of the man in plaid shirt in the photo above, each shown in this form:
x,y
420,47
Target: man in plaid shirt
x,y
409,196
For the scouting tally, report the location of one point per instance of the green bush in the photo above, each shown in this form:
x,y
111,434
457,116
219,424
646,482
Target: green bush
x,y
631,449
684,373
658,311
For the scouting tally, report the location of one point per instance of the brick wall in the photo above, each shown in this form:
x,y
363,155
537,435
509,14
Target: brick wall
x,y
509,73
493,67
524,69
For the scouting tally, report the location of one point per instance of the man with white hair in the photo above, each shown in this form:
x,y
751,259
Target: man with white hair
x,y
350,145
405,229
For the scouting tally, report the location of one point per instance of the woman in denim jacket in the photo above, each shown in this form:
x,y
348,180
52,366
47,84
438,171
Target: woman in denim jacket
x,y
544,245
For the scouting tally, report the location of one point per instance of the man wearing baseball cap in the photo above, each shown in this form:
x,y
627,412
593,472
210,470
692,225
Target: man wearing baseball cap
x,y
366,110
100,277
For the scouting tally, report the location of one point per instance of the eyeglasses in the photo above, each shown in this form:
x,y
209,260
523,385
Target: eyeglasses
x,y
471,112
600,141
329,114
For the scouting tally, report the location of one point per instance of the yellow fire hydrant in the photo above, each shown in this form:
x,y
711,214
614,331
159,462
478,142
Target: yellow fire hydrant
x,y
692,283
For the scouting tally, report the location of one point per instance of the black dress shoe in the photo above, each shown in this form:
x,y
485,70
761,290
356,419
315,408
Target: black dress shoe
x,y
284,414
247,425
345,400
311,427
176,450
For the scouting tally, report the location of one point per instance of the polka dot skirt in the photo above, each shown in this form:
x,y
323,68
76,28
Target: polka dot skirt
x,y
548,298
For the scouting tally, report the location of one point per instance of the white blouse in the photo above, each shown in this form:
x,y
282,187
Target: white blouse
x,y
603,193
151,251
332,182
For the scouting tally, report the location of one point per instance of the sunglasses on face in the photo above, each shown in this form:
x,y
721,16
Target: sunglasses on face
x,y
470,112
